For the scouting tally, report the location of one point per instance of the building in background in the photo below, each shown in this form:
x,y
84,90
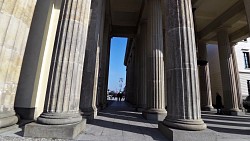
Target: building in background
x,y
242,51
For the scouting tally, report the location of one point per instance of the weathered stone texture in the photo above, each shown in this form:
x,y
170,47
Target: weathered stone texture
x,y
15,22
227,71
204,77
155,63
91,64
64,86
183,103
104,66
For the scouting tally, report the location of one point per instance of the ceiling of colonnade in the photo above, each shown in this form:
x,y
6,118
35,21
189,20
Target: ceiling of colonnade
x,y
213,14
209,16
125,16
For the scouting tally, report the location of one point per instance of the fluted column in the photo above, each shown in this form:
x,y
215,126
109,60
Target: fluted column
x,y
104,62
183,95
15,21
237,78
91,64
106,74
137,76
128,81
155,64
227,72
131,92
204,77
142,64
64,84
63,90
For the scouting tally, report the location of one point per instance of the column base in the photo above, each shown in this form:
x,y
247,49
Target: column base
x,y
140,109
183,135
103,105
8,119
26,113
90,115
154,115
190,125
59,118
233,112
207,108
68,131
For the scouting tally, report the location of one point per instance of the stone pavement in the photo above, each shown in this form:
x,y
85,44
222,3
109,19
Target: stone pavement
x,y
229,128
119,122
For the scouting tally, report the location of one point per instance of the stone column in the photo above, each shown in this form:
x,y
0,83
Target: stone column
x,y
64,84
106,74
237,78
142,68
91,64
16,16
204,78
227,72
183,93
105,67
127,98
155,64
137,73
130,79
133,94
31,90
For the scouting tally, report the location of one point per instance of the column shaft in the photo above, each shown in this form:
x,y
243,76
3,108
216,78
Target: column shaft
x,y
204,77
104,64
237,78
155,63
91,63
142,64
183,95
137,74
133,94
227,72
107,72
130,93
64,85
16,16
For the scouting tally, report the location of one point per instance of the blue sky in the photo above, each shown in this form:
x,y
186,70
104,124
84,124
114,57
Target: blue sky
x,y
117,69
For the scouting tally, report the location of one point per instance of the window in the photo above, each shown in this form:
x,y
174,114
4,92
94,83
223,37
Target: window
x,y
248,86
246,59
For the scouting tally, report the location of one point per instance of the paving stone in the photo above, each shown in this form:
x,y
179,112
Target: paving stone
x,y
119,122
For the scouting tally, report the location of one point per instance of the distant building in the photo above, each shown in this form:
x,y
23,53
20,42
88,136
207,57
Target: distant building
x,y
242,51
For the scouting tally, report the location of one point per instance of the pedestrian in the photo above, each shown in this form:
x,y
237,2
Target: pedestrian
x,y
120,96
218,103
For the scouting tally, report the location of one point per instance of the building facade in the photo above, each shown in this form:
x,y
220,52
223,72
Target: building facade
x,y
241,50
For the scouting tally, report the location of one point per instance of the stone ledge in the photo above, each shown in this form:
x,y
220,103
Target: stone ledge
x,y
69,131
183,135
